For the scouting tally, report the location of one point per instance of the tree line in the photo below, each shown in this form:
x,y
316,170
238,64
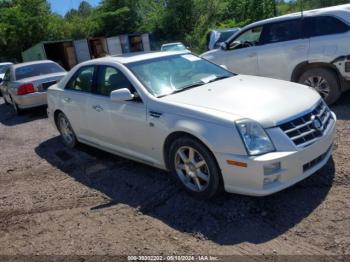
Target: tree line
x,y
23,23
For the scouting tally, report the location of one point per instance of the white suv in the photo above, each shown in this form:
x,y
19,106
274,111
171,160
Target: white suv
x,y
310,48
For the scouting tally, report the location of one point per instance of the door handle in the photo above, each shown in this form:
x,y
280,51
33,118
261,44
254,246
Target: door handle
x,y
67,99
98,108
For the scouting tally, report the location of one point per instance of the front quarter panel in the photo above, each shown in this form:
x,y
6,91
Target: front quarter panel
x,y
218,138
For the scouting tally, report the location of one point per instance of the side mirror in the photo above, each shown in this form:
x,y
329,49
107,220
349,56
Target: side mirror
x,y
122,94
236,44
224,46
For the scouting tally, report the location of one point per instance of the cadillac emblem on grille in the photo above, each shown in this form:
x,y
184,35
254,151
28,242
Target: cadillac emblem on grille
x,y
316,123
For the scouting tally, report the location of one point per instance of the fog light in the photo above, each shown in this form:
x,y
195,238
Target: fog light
x,y
273,168
271,179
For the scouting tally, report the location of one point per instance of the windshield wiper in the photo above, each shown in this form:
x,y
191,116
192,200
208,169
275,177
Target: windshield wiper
x,y
195,84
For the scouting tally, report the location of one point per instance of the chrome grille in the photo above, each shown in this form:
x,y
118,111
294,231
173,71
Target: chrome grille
x,y
306,129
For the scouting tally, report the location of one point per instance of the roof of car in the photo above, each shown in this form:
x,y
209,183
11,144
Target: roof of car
x,y
314,12
136,57
174,43
5,63
32,63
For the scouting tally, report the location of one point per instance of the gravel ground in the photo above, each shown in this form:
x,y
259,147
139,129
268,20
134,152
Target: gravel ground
x,y
54,200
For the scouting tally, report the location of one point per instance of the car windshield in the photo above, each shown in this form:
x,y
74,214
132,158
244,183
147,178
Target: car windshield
x,y
3,68
174,47
225,35
37,70
172,74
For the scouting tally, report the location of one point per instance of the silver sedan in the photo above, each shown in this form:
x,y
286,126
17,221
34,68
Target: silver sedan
x,y
24,85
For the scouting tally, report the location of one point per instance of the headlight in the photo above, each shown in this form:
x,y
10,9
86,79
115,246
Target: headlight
x,y
256,140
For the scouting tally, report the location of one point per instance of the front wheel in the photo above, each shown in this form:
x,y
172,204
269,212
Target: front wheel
x,y
195,168
66,131
324,81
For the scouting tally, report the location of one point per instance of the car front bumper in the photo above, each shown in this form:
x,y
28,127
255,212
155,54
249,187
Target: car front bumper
x,y
31,100
256,179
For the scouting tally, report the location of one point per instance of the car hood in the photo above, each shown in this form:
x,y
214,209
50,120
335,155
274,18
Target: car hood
x,y
265,100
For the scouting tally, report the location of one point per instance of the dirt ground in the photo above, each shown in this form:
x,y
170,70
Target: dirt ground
x,y
54,200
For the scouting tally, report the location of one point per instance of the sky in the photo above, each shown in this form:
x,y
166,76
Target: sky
x,y
62,6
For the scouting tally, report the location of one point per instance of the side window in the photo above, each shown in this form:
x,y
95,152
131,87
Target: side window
x,y
82,80
7,76
248,38
282,31
110,79
323,25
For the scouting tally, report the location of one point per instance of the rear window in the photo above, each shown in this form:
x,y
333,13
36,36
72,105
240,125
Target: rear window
x,y
37,70
323,25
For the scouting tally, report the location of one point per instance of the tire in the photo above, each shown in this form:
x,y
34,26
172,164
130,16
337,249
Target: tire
x,y
17,110
68,136
5,100
324,81
203,181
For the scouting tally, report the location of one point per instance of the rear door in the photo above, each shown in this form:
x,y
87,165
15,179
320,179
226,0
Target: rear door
x,y
75,96
329,38
282,50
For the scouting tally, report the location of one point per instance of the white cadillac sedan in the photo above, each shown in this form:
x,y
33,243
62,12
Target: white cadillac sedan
x,y
211,128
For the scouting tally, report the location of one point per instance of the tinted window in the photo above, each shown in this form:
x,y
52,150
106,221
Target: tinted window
x,y
82,80
323,25
37,70
110,79
281,31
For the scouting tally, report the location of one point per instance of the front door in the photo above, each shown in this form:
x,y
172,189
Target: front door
x,y
242,52
119,126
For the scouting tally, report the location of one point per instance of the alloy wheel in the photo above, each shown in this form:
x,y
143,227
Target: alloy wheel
x,y
192,169
320,84
66,130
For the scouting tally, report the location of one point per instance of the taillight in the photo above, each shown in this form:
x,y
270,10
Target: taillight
x,y
25,89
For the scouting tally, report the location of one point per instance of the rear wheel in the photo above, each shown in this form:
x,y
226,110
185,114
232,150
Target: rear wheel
x,y
66,131
5,99
195,168
324,81
18,111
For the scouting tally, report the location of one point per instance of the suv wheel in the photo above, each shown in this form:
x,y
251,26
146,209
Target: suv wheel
x,y
324,81
66,131
195,168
